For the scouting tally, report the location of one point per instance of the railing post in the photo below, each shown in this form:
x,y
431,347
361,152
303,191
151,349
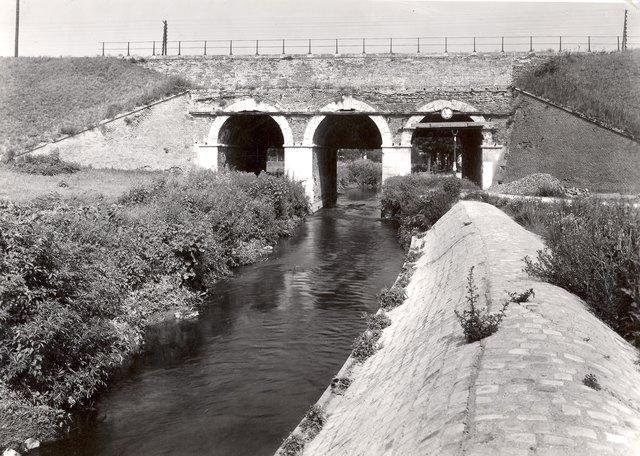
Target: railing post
x,y
257,47
283,47
418,46
474,44
153,51
589,43
179,47
103,49
502,44
336,46
364,48
560,48
445,45
230,47
309,53
618,42
205,47
127,49
390,45
530,43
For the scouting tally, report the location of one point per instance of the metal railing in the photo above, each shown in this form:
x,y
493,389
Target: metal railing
x,y
417,45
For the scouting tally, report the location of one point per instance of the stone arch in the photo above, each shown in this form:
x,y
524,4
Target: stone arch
x,y
348,103
250,105
435,106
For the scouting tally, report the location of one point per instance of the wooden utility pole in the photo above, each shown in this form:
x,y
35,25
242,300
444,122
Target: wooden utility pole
x,y
17,26
624,32
164,38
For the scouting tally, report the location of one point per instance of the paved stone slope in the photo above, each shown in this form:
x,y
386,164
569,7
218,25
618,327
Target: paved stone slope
x,y
518,392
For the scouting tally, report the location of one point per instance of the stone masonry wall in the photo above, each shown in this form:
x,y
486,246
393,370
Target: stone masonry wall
x,y
545,139
158,137
519,392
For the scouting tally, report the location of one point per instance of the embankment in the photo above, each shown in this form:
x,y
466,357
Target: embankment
x,y
517,392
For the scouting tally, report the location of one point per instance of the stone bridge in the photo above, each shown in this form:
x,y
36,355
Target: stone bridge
x,y
294,113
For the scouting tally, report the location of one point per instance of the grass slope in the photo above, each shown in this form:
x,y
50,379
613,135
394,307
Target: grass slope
x,y
603,86
44,98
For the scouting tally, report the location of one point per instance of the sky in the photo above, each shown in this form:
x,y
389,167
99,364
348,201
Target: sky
x,y
77,27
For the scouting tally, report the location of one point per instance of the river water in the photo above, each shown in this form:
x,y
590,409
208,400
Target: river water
x,y
267,343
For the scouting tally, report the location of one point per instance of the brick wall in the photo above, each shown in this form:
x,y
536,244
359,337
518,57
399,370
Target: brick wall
x,y
546,139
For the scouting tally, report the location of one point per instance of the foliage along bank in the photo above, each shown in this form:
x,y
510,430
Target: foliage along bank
x,y
79,282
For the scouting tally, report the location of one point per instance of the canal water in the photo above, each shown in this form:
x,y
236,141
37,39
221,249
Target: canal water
x,y
236,380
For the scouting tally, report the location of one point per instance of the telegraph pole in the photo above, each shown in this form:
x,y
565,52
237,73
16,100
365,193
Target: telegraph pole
x,y
624,32
17,26
164,38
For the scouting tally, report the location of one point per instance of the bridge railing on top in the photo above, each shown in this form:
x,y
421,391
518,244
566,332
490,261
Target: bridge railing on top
x,y
417,45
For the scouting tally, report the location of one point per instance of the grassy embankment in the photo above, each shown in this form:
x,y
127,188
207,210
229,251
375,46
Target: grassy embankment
x,y
603,86
45,98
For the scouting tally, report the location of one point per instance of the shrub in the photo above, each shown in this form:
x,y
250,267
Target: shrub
x,y
362,173
593,250
418,201
46,165
376,322
365,345
292,446
313,421
390,298
478,323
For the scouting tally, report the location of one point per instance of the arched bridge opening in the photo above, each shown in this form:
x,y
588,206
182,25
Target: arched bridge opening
x,y
249,142
451,146
335,132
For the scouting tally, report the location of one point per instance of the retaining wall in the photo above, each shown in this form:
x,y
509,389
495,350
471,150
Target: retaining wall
x,y
517,392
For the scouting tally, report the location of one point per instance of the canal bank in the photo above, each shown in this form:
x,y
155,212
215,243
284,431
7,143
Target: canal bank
x,y
522,391
235,380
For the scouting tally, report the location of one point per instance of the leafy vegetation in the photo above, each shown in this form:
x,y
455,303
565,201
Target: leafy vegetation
x,y
292,446
78,282
313,421
390,298
417,201
362,173
583,82
478,323
45,165
44,98
592,382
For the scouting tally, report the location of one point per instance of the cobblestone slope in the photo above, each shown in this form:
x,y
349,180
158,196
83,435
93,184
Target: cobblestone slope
x,y
518,392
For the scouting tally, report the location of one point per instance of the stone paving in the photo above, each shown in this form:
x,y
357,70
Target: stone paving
x,y
517,392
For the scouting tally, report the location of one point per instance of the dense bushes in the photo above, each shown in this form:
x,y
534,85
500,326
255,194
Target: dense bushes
x,y
593,250
362,173
77,283
46,164
417,201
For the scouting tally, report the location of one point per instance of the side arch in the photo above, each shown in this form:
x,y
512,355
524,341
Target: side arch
x,y
348,103
250,105
435,106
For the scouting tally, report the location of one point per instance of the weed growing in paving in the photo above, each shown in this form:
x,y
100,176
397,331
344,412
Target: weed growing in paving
x,y
592,382
340,384
376,322
313,420
365,345
478,323
514,296
390,298
292,446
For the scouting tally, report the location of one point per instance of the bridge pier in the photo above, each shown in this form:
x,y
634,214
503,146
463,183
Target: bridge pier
x,y
206,156
298,165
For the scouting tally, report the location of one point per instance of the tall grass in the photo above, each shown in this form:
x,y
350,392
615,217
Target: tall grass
x,y
603,86
43,98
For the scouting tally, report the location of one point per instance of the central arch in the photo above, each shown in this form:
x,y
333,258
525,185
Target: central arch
x,y
347,126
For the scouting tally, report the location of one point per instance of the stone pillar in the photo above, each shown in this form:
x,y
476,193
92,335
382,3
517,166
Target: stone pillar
x,y
298,165
206,156
396,161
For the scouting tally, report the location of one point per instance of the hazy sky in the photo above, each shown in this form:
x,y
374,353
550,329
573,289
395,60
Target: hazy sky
x,y
75,27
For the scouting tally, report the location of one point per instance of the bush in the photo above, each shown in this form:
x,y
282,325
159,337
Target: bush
x,y
78,283
313,421
362,173
365,345
593,250
292,446
46,165
390,298
418,201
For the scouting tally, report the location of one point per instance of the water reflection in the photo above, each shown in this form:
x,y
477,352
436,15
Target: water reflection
x,y
238,379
